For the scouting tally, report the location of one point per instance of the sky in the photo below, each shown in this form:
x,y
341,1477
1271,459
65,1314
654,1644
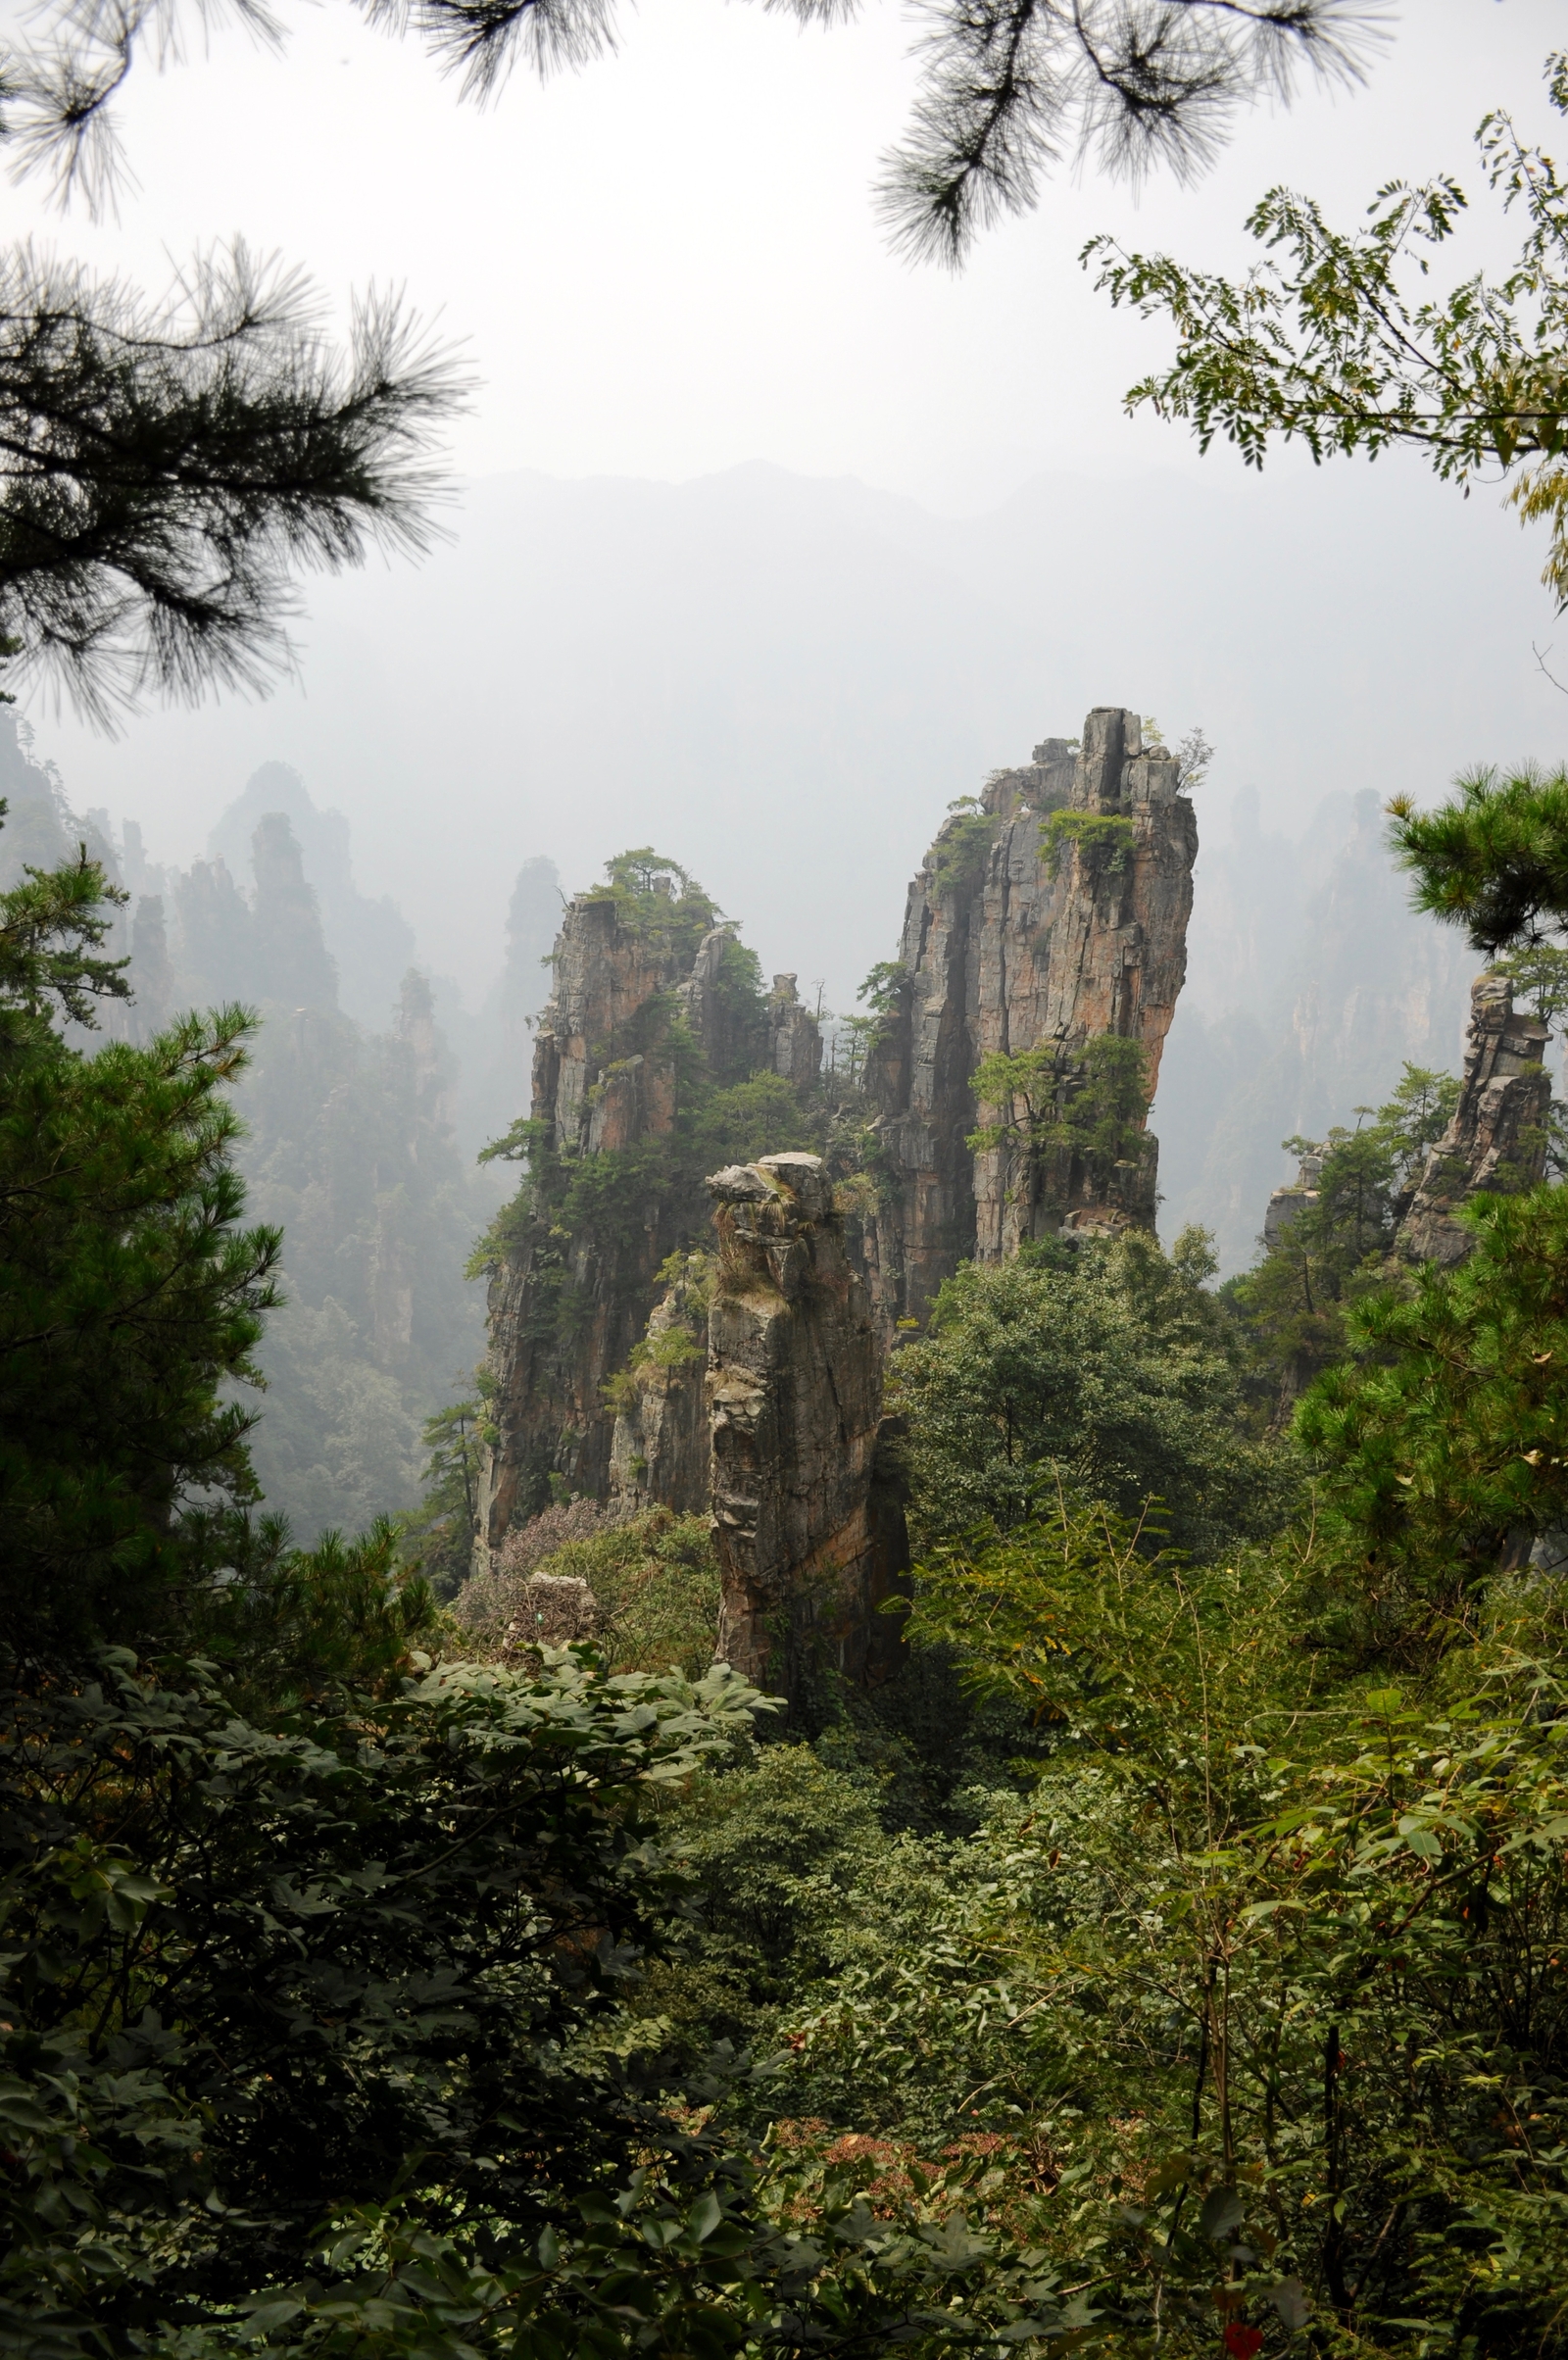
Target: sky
x,y
770,541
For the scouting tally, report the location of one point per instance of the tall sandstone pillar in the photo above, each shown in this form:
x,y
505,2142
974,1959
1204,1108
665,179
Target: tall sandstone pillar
x,y
809,1530
1017,935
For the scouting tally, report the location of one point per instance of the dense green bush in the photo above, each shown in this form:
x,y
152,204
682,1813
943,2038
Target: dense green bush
x,y
1442,1442
654,1577
1109,1365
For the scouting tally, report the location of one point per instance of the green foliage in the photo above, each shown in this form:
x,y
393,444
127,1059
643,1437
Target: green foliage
x,y
222,2057
1342,346
1447,1434
886,988
963,848
658,900
1495,861
289,1626
1294,1303
1081,1116
1087,1619
439,1536
777,1845
1103,840
1539,973
762,1116
1107,1364
129,1296
52,925
1262,1987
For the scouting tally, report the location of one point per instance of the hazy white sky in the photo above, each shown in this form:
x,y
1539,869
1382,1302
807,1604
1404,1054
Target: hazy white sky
x,y
667,267
669,263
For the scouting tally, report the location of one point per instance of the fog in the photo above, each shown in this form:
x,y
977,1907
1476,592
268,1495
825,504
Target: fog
x,y
767,546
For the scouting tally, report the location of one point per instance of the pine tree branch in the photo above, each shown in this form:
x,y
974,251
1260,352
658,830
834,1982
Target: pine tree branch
x,y
164,470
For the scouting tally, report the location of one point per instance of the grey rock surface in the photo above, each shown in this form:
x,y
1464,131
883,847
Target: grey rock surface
x,y
1029,938
809,1527
1496,1139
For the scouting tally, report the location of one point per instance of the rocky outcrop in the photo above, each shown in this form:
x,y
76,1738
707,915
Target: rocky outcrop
x,y
1287,1204
1050,912
794,1037
657,1006
659,1447
1496,1139
568,1303
809,1530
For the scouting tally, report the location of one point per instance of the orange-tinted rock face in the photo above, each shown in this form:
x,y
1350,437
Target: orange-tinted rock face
x,y
1013,939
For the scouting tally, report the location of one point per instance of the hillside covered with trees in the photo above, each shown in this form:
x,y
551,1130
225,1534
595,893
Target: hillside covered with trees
x,y
1148,1942
1166,1958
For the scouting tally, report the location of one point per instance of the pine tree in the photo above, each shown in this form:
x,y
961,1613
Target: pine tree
x,y
130,1298
167,465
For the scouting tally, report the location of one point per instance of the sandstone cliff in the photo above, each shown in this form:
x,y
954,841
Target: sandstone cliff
x,y
1496,1139
1050,913
809,1534
656,1012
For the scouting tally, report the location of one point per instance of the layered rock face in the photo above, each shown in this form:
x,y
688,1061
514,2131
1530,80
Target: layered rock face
x,y
1496,1139
586,1099
809,1534
1052,914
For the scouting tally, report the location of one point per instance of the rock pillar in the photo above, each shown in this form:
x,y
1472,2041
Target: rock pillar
x,y
1497,1137
1052,910
809,1531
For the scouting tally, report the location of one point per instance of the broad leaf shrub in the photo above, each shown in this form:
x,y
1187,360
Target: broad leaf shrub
x,y
1445,1439
1261,1986
298,2050
263,1977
